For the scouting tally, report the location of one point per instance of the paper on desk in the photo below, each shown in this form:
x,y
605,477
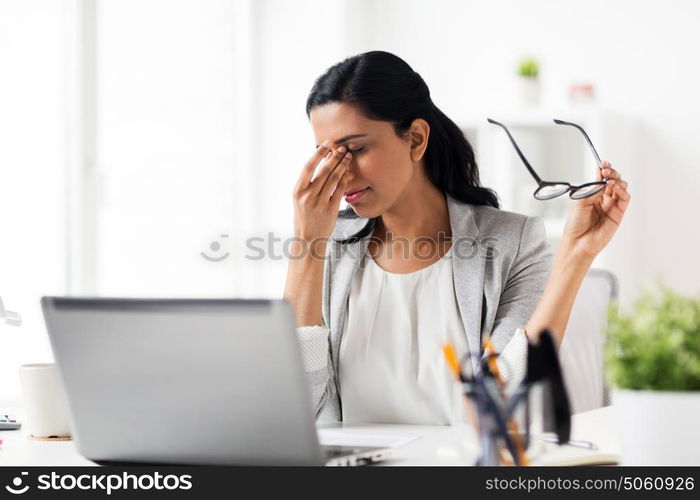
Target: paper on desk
x,y
553,454
340,437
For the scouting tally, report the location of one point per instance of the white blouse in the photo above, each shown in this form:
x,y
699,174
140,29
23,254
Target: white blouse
x,y
391,365
392,368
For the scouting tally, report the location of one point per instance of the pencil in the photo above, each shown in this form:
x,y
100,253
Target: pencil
x,y
452,360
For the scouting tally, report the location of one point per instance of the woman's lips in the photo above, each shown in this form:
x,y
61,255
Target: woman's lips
x,y
353,196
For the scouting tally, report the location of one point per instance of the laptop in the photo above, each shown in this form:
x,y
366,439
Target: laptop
x,y
188,381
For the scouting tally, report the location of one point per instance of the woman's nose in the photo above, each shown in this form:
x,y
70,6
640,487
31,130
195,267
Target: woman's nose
x,y
350,174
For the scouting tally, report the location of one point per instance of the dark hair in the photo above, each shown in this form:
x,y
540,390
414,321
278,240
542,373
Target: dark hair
x,y
386,88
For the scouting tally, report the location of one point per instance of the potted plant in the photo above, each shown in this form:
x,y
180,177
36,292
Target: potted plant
x,y
529,84
653,363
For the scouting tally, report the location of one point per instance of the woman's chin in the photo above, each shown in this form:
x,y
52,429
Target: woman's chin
x,y
364,212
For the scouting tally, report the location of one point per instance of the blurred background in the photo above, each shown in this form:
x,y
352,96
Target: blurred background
x,y
149,148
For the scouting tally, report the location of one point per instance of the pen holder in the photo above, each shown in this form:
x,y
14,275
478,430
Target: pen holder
x,y
503,422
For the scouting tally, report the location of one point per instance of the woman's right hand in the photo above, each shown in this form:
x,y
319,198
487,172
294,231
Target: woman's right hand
x,y
316,201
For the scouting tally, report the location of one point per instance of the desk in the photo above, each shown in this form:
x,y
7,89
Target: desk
x,y
436,445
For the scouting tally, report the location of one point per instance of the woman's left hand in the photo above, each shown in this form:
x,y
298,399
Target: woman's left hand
x,y
592,221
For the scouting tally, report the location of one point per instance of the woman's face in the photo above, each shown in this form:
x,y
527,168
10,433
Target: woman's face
x,y
381,160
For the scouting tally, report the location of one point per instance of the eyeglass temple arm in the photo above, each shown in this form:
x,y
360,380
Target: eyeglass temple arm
x,y
585,135
517,149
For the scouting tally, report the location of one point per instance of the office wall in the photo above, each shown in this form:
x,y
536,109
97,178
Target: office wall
x,y
180,129
201,131
641,57
638,55
32,184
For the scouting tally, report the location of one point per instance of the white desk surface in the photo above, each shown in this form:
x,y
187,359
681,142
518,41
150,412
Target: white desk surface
x,y
436,445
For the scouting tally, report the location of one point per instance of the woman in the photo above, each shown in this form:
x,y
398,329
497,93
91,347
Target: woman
x,y
423,256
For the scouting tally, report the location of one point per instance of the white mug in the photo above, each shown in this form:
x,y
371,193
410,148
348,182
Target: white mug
x,y
46,408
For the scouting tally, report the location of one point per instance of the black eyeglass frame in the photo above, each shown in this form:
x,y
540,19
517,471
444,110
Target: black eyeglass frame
x,y
571,189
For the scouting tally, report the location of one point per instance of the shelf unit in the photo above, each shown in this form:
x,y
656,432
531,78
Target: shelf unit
x,y
557,153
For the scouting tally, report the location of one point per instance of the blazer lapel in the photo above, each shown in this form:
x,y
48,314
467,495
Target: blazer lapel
x,y
468,273
344,262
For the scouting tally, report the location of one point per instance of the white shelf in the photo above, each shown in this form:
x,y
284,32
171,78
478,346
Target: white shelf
x,y
536,117
557,153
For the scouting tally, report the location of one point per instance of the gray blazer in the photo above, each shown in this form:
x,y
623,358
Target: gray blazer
x,y
500,261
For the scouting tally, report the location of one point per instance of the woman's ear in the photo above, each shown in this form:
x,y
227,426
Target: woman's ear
x,y
418,134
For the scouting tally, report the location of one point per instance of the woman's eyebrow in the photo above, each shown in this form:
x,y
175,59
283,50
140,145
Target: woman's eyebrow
x,y
346,138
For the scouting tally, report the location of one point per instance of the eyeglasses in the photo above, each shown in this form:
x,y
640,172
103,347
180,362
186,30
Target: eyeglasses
x,y
547,190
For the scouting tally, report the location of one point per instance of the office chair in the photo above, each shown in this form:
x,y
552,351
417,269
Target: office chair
x,y
581,351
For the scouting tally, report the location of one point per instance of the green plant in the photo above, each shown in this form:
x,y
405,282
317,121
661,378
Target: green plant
x,y
657,345
529,68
